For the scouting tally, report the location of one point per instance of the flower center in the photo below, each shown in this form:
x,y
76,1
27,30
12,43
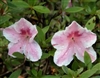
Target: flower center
x,y
26,33
73,39
74,35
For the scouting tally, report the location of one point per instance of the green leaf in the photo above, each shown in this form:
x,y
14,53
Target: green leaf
x,y
34,72
5,18
87,60
97,66
15,62
51,52
41,9
64,3
10,4
45,29
91,23
66,76
95,77
49,39
8,64
89,0
79,71
50,76
74,9
21,4
90,72
40,73
32,2
45,55
64,68
15,74
98,12
68,71
18,55
40,36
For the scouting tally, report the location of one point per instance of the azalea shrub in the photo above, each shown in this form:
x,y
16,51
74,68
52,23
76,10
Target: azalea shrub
x,y
49,39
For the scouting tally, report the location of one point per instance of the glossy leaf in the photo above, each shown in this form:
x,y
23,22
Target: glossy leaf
x,y
10,4
87,74
97,66
34,72
50,76
90,72
95,77
91,23
45,29
64,3
15,74
87,60
21,4
64,68
89,0
40,36
68,71
41,9
32,2
79,71
45,55
5,18
66,76
74,9
18,55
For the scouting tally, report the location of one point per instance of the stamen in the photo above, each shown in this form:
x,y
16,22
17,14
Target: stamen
x,y
72,38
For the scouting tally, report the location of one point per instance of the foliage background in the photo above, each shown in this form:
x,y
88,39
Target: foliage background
x,y
49,16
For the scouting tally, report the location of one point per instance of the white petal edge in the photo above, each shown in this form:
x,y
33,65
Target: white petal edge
x,y
34,32
92,53
59,40
10,34
33,51
88,38
64,57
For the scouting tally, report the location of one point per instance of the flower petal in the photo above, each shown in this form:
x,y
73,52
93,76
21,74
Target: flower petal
x,y
88,38
33,51
73,27
59,40
22,24
79,51
92,53
27,27
15,47
11,34
64,56
33,31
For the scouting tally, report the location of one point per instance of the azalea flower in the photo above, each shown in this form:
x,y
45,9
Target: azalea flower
x,y
21,36
74,40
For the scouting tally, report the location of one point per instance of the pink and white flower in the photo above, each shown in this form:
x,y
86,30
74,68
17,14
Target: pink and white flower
x,y
74,40
21,36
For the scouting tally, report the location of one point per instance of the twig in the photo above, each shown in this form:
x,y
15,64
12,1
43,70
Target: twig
x,y
13,68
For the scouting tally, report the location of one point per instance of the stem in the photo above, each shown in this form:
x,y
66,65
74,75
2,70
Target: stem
x,y
14,68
